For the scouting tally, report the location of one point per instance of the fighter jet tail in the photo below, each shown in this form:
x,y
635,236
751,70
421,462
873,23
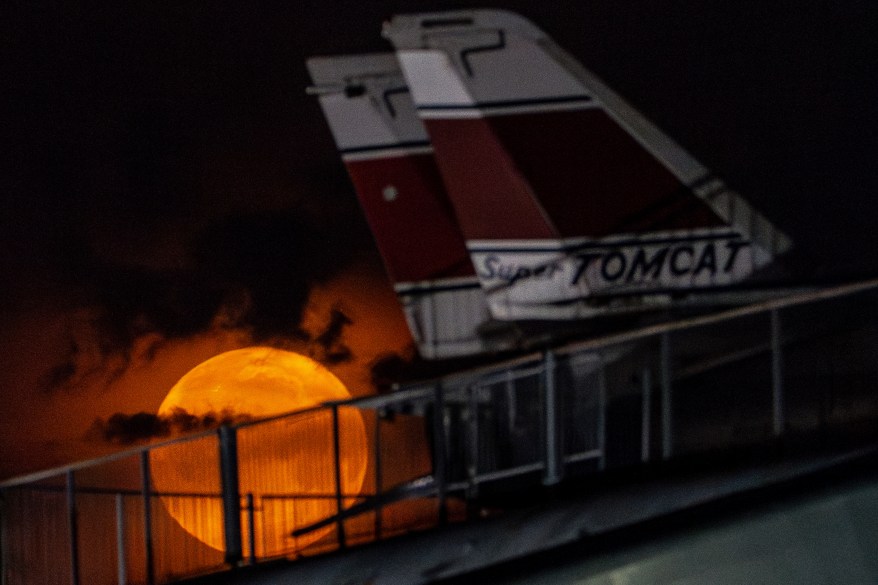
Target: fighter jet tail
x,y
570,201
390,161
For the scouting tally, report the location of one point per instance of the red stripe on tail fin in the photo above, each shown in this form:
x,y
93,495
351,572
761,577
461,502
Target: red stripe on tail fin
x,y
592,188
411,219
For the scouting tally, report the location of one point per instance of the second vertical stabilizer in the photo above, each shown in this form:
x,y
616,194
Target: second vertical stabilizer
x,y
390,161
571,202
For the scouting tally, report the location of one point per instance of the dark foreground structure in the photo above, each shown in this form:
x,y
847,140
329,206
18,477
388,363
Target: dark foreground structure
x,y
816,528
582,443
805,520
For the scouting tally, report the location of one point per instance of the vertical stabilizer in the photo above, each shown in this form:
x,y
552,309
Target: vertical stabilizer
x,y
570,201
390,161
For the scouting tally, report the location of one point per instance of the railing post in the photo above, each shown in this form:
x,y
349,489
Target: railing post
x,y
645,414
121,562
146,488
228,452
554,467
378,472
251,527
602,412
440,457
777,401
339,501
472,468
667,403
4,540
72,528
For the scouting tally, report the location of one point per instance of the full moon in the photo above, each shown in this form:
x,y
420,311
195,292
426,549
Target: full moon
x,y
287,464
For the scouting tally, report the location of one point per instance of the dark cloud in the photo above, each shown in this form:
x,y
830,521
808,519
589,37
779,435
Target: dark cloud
x,y
274,258
252,272
388,370
328,347
125,429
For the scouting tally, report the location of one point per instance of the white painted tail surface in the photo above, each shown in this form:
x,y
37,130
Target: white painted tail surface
x,y
571,203
390,161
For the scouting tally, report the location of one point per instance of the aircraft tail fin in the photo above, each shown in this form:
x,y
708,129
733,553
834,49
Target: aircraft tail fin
x,y
389,158
570,201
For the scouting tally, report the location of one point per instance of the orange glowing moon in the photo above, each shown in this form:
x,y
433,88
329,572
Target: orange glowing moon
x,y
287,463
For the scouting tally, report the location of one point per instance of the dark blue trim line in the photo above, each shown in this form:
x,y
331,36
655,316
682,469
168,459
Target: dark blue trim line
x,y
395,145
425,289
597,245
508,103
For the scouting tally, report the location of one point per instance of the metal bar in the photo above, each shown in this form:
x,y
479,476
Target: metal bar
x,y
511,472
146,490
228,453
725,359
554,463
502,376
72,528
667,406
4,540
417,392
777,398
583,456
286,523
511,403
472,468
121,561
645,414
378,472
299,496
722,316
423,487
602,414
113,492
440,456
251,527
514,364
457,486
336,454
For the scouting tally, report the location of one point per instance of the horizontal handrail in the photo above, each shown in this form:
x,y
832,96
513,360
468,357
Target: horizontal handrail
x,y
719,317
54,472
98,491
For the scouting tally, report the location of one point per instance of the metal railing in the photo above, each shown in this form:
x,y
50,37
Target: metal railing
x,y
344,474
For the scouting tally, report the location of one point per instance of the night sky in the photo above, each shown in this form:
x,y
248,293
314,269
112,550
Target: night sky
x,y
169,191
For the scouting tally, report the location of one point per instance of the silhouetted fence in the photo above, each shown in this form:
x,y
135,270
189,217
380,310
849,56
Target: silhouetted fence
x,y
345,474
